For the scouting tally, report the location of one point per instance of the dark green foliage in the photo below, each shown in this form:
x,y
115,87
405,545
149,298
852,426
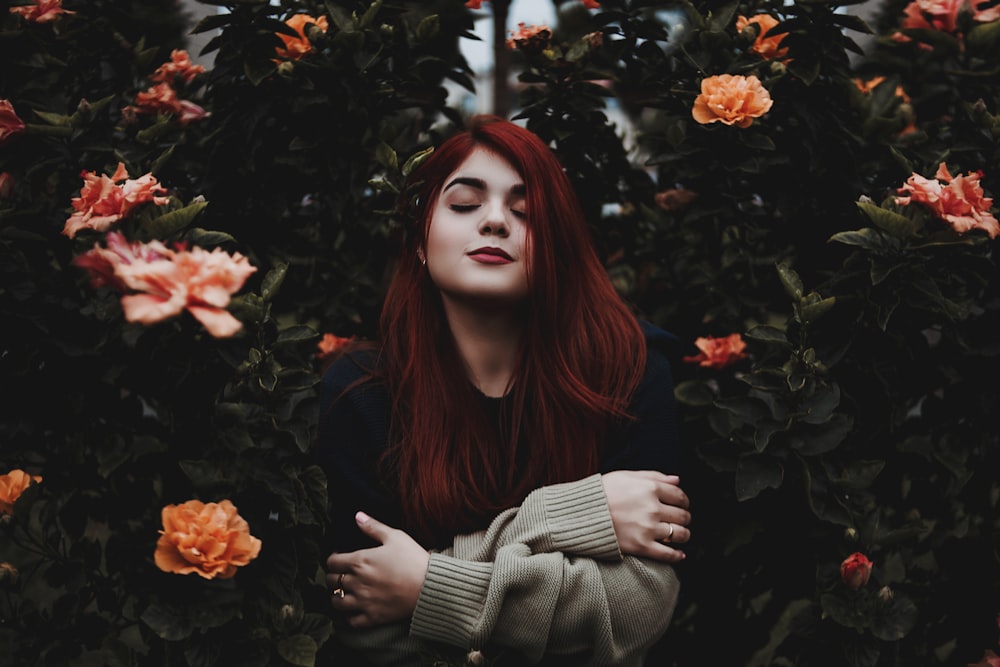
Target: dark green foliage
x,y
862,420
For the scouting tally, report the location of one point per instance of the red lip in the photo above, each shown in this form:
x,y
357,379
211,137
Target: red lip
x,y
493,252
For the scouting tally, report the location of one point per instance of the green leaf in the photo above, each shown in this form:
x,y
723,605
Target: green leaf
x,y
56,119
768,334
386,156
415,160
168,224
845,610
298,650
898,225
428,28
754,474
296,334
868,238
166,622
825,438
813,311
205,238
895,621
257,71
272,281
694,393
791,281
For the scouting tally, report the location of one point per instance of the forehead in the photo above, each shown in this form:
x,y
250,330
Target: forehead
x,y
487,166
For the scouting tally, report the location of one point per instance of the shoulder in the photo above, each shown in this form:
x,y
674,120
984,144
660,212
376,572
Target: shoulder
x,y
355,373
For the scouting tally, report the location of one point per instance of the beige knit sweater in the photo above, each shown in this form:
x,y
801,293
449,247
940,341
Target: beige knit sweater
x,y
546,581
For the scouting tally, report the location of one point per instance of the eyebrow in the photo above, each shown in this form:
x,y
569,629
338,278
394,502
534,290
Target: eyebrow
x,y
480,184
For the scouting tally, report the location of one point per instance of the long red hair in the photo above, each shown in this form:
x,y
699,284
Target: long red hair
x,y
582,355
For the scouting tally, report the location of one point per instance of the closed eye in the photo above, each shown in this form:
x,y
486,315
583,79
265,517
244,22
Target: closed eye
x,y
464,208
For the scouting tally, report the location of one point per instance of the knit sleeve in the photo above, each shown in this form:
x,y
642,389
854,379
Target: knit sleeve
x,y
540,583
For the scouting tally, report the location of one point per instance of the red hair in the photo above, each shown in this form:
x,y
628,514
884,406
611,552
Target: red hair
x,y
582,354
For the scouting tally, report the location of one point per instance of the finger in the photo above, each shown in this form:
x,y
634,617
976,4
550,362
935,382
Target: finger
x,y
372,528
671,494
672,533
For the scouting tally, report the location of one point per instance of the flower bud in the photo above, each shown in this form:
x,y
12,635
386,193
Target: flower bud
x,y
475,658
885,594
856,570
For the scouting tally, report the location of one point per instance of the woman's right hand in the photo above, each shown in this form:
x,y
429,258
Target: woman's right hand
x,y
649,512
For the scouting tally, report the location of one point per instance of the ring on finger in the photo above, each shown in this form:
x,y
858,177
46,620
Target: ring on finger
x,y
670,534
339,590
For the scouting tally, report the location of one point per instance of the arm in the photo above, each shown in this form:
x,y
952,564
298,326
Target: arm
x,y
512,588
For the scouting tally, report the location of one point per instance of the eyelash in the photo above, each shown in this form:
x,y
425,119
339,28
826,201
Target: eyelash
x,y
466,208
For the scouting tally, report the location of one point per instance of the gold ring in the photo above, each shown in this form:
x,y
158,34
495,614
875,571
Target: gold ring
x,y
339,590
670,534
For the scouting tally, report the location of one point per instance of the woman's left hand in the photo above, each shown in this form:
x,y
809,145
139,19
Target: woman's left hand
x,y
378,585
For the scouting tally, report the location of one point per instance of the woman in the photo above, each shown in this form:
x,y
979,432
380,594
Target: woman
x,y
497,462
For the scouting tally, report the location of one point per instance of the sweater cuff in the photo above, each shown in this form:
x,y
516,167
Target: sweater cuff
x,y
579,519
451,600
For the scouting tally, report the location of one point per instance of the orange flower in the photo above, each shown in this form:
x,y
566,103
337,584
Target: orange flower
x,y
767,47
675,199
474,4
943,15
533,38
162,98
104,200
856,570
179,65
330,344
164,282
732,99
10,124
42,11
210,540
957,200
296,47
867,86
719,352
591,4
12,485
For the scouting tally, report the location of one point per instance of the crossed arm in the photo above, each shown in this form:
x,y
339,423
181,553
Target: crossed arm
x,y
578,569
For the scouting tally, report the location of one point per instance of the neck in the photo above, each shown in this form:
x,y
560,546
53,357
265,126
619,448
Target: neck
x,y
487,337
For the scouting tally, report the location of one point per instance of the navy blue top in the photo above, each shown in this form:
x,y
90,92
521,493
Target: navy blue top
x,y
354,432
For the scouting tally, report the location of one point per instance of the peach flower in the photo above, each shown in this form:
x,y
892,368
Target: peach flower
x,y
296,47
957,200
719,352
207,539
732,99
767,47
42,11
162,99
104,200
10,123
856,570
162,282
675,199
943,15
534,37
179,65
330,344
12,485
100,263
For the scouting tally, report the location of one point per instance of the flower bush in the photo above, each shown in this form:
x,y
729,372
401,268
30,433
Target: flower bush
x,y
807,202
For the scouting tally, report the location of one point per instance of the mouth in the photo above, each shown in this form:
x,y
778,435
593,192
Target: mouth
x,y
490,255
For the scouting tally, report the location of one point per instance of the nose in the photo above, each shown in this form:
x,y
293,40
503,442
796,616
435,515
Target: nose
x,y
494,222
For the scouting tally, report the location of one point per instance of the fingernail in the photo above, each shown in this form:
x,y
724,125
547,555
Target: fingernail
x,y
361,517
